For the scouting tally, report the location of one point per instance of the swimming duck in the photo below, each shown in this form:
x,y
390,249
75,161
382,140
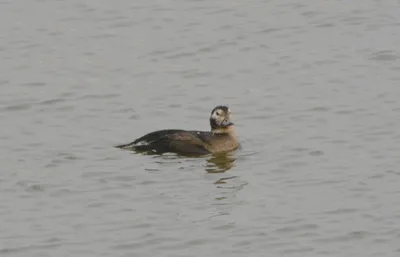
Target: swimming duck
x,y
220,139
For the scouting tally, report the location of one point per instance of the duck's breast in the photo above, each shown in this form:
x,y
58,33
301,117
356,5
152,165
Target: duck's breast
x,y
223,143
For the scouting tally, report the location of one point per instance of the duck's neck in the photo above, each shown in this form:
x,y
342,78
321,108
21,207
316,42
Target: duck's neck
x,y
223,130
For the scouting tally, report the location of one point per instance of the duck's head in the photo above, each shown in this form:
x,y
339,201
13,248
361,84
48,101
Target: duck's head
x,y
220,119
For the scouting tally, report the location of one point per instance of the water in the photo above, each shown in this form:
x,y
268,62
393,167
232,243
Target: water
x,y
313,87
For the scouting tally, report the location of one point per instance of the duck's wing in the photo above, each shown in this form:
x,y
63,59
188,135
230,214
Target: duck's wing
x,y
205,136
156,135
149,138
181,142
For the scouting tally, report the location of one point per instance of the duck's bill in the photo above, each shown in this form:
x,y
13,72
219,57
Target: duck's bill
x,y
227,123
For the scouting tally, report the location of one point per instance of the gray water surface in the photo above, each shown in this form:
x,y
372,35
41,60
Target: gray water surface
x,y
313,87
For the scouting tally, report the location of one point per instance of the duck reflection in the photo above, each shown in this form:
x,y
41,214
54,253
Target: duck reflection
x,y
217,163
220,163
214,164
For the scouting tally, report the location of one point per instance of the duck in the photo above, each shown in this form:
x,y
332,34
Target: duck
x,y
220,139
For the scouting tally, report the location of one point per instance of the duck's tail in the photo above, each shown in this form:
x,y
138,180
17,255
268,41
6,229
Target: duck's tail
x,y
136,148
126,146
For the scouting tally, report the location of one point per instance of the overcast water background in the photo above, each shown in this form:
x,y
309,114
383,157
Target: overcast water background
x,y
313,87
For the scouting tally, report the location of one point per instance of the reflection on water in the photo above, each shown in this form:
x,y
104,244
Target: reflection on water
x,y
216,163
220,163
223,180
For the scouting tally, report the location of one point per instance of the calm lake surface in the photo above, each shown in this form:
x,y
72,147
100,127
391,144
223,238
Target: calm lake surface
x,y
314,89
